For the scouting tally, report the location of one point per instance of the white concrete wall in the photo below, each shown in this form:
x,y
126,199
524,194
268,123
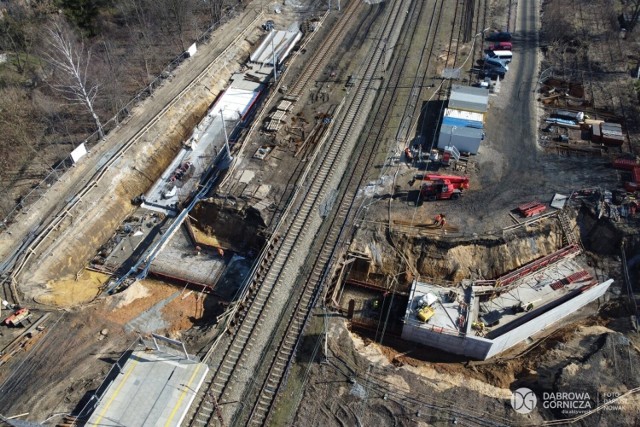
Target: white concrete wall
x,y
471,346
537,324
482,348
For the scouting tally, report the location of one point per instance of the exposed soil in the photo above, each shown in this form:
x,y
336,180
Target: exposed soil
x,y
228,224
457,259
100,212
79,347
70,292
364,382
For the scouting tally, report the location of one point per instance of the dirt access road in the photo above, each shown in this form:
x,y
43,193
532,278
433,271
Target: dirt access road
x,y
156,143
510,168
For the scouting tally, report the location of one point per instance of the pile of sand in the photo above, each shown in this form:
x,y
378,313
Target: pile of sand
x,y
70,292
129,295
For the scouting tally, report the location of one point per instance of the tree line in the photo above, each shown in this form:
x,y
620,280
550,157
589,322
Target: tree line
x,y
66,66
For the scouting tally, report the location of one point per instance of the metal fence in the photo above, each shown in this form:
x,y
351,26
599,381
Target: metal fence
x,y
93,140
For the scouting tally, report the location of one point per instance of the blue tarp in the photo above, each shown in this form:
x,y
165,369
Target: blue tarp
x,y
463,123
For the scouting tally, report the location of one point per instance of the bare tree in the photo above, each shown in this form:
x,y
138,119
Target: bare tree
x,y
136,17
635,14
66,55
215,10
175,16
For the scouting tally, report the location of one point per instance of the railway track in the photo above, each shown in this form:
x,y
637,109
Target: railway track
x,y
19,259
262,303
339,230
413,107
317,61
321,56
418,91
377,384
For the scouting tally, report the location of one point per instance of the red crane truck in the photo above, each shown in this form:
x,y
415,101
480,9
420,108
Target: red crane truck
x,y
443,187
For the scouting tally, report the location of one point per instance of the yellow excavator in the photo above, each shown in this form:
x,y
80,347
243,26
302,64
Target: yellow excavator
x,y
426,313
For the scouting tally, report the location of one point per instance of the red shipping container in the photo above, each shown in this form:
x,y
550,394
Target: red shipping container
x,y
626,164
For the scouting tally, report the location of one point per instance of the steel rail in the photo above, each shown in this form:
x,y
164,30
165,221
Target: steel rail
x,y
309,70
297,320
320,57
255,304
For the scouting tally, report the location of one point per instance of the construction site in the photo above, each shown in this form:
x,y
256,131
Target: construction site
x,y
362,213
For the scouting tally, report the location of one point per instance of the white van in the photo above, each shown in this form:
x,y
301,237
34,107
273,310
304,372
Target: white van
x,y
504,55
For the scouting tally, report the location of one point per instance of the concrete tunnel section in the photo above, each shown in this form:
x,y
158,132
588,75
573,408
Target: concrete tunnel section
x,y
486,317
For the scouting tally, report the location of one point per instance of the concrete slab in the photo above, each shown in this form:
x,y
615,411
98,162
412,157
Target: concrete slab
x,y
179,260
153,389
525,307
559,200
247,176
276,44
135,234
181,178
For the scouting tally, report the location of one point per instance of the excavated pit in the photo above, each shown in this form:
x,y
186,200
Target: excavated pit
x,y
450,260
226,224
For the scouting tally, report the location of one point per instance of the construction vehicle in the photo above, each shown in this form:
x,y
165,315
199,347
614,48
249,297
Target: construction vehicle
x,y
17,317
426,313
425,307
443,187
478,326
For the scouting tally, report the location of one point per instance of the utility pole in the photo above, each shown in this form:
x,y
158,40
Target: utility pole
x,y
273,52
326,333
226,138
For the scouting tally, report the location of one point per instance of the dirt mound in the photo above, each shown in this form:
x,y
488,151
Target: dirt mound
x,y
73,291
129,295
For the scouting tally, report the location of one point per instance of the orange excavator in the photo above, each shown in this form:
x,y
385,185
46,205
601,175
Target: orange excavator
x,y
442,187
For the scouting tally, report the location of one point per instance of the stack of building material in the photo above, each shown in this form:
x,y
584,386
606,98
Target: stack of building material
x,y
607,133
625,164
612,134
574,116
632,166
531,209
634,184
284,105
276,45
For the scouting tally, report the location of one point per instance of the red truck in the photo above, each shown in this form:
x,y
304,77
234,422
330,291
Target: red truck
x,y
17,317
443,187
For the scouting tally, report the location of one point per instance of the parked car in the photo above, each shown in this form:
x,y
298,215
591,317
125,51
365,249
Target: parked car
x,y
491,73
501,46
496,63
503,55
499,36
